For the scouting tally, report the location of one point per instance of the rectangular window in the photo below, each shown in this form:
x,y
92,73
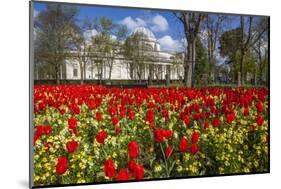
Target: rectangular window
x,y
75,72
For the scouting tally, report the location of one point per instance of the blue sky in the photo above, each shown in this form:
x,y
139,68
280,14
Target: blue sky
x,y
164,25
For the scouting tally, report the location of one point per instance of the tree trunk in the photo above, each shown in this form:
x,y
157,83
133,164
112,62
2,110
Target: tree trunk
x,y
81,73
242,52
255,77
239,79
110,70
189,63
260,66
57,74
242,68
193,61
260,74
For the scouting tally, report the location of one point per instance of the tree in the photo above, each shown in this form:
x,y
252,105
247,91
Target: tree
x,y
213,27
261,49
100,49
55,36
191,22
229,44
121,32
244,45
84,48
107,45
202,64
238,42
138,52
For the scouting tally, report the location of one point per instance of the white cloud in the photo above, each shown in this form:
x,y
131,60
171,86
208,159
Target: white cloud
x,y
133,23
113,37
219,59
90,33
204,37
159,23
167,43
35,13
156,23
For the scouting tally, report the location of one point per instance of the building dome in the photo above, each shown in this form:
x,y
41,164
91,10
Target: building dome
x,y
146,32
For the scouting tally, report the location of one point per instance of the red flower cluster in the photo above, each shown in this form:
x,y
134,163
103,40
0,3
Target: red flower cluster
x,y
71,146
62,165
171,114
136,169
42,130
216,122
150,117
194,148
195,137
138,172
72,123
123,175
183,144
259,120
101,136
230,117
159,135
133,149
109,168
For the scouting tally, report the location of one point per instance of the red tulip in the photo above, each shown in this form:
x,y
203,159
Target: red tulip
x,y
168,151
72,123
183,144
133,149
194,149
62,165
101,136
138,172
109,168
195,137
123,175
71,146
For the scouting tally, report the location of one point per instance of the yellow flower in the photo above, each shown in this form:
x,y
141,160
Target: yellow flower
x,y
157,168
179,168
36,178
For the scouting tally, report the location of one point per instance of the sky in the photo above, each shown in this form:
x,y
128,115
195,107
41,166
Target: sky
x,y
165,26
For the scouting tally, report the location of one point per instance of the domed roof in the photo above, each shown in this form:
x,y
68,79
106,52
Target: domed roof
x,y
146,32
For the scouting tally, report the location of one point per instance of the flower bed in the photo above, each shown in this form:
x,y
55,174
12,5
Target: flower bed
x,y
86,133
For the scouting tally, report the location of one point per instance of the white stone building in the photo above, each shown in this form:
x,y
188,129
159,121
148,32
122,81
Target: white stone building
x,y
120,70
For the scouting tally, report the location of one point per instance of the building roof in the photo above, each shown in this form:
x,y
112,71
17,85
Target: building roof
x,y
146,32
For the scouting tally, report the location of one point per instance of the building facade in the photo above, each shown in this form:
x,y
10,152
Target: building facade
x,y
164,63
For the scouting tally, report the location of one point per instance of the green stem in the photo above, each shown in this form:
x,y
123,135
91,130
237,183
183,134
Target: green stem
x,y
166,164
104,153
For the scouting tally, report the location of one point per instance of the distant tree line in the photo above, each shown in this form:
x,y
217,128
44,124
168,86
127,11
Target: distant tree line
x,y
244,48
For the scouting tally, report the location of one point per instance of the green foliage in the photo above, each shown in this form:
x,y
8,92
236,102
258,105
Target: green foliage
x,y
202,66
230,43
249,64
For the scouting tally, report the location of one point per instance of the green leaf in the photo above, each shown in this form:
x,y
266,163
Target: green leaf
x,y
172,166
